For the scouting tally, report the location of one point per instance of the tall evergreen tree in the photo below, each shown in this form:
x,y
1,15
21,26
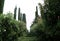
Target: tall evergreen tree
x,y
15,11
19,14
36,12
1,6
36,15
41,10
24,18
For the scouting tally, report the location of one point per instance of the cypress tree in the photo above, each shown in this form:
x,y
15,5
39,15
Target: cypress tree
x,y
19,14
1,6
24,18
41,10
15,11
36,13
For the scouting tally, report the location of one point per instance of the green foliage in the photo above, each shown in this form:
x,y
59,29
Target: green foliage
x,y
9,14
24,18
36,17
1,6
10,29
36,13
28,39
51,11
48,28
19,14
15,11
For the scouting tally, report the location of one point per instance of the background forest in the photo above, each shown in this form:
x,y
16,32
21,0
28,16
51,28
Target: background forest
x,y
44,28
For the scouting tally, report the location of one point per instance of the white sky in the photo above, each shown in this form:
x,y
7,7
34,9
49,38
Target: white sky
x,y
27,6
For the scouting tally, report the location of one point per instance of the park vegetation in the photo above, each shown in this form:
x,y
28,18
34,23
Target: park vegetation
x,y
44,28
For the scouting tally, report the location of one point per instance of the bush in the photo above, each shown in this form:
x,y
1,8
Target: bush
x,y
11,29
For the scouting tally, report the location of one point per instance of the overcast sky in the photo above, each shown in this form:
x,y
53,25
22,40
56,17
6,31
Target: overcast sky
x,y
27,6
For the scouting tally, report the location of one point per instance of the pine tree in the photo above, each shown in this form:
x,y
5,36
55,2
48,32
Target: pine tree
x,y
1,6
24,18
15,11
